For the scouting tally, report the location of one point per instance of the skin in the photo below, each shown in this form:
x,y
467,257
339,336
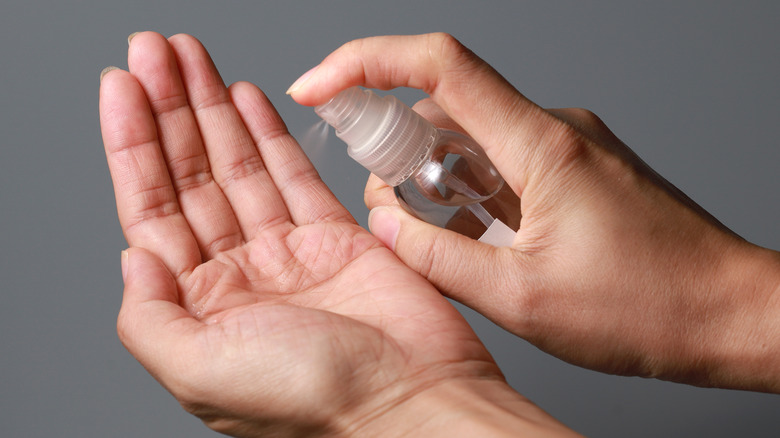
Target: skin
x,y
613,268
253,296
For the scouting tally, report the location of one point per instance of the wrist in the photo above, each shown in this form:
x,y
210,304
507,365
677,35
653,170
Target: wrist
x,y
742,348
466,407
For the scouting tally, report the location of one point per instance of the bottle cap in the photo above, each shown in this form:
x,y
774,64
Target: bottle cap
x,y
382,134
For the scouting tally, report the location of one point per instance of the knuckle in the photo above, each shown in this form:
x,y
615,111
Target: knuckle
x,y
189,172
426,265
183,37
377,193
123,329
584,122
237,170
370,197
523,314
587,117
568,147
353,46
445,45
153,205
446,51
432,266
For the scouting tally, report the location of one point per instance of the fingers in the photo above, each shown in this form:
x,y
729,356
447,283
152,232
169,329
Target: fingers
x,y
377,193
235,161
148,209
152,62
429,109
190,180
510,128
151,324
307,197
464,269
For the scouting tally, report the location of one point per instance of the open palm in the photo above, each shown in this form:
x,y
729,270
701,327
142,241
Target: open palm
x,y
250,292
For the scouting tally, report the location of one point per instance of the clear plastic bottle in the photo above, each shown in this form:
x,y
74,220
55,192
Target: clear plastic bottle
x,y
440,176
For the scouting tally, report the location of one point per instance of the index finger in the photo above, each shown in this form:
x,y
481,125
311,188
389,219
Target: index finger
x,y
510,128
148,209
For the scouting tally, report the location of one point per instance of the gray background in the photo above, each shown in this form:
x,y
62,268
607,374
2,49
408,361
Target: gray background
x,y
692,87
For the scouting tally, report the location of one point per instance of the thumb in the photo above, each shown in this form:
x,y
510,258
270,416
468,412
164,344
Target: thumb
x,y
476,274
151,323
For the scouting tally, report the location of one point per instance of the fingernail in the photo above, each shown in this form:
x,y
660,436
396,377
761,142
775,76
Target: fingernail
x,y
301,80
131,36
106,70
384,225
125,256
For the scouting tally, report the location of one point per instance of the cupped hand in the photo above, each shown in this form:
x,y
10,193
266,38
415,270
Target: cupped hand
x,y
250,292
612,268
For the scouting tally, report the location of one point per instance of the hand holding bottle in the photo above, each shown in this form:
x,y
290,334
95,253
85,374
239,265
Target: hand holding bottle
x,y
612,268
440,176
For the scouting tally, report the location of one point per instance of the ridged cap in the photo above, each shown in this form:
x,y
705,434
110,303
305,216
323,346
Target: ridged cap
x,y
382,134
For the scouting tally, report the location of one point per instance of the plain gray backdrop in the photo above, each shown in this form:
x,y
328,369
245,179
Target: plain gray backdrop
x,y
692,87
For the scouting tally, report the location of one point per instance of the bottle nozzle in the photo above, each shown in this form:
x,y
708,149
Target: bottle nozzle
x,y
382,134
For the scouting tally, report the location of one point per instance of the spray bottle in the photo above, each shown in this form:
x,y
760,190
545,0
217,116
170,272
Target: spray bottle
x,y
438,175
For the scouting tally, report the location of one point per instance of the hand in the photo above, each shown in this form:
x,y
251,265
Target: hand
x,y
250,292
612,268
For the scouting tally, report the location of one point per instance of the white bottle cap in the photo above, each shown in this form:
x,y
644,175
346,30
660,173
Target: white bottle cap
x,y
382,134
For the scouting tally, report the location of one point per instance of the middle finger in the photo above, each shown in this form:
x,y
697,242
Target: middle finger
x,y
236,163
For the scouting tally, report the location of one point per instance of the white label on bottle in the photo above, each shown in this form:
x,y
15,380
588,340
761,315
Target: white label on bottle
x,y
498,234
